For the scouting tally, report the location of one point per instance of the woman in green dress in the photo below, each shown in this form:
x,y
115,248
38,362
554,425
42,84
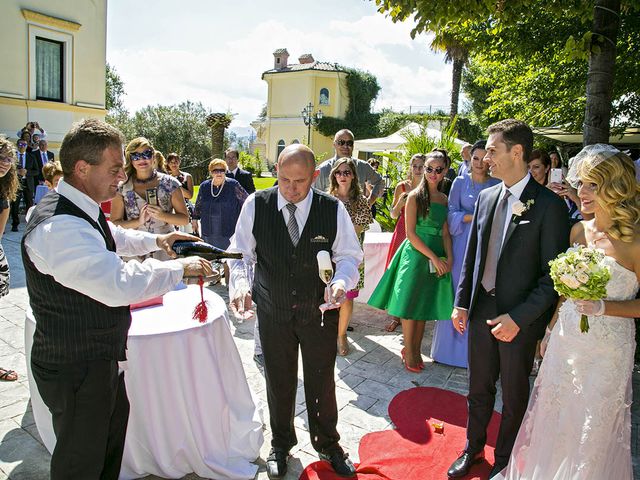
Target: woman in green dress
x,y
417,285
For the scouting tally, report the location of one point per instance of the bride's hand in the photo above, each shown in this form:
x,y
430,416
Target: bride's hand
x,y
590,307
545,342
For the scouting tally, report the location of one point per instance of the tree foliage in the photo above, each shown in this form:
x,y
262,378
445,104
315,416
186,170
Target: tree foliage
x,y
114,90
397,163
529,58
363,89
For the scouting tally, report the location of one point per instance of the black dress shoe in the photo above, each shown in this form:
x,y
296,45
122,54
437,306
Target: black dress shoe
x,y
497,468
277,463
340,463
461,466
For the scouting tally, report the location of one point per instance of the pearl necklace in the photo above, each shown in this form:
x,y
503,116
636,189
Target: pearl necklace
x,y
216,195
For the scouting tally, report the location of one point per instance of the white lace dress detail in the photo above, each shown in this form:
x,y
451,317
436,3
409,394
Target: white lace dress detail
x,y
578,423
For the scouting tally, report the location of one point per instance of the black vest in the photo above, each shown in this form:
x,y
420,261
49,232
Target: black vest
x,y
287,283
70,326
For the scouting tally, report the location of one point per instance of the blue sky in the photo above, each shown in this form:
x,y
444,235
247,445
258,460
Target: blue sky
x,y
213,51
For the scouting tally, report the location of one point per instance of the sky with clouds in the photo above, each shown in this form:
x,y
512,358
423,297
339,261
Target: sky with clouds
x,y
214,51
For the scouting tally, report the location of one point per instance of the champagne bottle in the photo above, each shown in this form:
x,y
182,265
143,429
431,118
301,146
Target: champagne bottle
x,y
187,248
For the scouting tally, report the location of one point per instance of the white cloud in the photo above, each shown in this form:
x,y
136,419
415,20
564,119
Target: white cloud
x,y
226,75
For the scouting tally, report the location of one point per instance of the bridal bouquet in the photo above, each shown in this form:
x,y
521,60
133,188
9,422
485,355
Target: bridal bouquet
x,y
580,274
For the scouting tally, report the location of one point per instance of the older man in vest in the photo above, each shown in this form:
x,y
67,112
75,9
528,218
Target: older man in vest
x,y
280,232
80,291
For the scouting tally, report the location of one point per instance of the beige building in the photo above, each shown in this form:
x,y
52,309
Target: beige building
x,y
54,56
291,87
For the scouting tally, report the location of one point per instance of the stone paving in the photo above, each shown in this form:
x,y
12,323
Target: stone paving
x,y
366,380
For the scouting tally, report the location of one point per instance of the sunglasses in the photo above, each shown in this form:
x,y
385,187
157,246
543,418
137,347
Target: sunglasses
x,y
343,173
342,143
21,144
147,155
6,159
218,170
438,170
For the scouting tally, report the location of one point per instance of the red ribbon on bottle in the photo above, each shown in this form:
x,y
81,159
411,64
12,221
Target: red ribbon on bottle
x,y
201,312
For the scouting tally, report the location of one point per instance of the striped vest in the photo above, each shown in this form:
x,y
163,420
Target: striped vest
x,y
287,283
71,326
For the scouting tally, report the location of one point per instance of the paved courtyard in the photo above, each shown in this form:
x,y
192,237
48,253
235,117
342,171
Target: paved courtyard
x,y
366,381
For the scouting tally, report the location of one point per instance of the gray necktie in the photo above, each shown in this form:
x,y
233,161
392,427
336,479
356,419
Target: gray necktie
x,y
495,244
292,226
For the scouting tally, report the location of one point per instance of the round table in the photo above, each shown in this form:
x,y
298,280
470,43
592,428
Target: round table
x,y
191,407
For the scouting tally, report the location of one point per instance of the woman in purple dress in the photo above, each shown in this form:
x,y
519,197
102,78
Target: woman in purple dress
x,y
449,346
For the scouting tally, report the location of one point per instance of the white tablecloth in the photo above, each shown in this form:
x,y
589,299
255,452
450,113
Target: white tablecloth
x,y
191,407
376,246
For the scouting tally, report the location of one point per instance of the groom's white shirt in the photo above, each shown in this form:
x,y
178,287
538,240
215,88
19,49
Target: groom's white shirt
x,y
516,191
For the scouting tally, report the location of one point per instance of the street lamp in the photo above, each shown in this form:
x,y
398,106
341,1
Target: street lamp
x,y
309,118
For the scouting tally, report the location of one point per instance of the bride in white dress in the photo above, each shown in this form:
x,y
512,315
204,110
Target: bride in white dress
x,y
578,423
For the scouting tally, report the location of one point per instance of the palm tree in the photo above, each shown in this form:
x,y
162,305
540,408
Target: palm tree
x,y
456,52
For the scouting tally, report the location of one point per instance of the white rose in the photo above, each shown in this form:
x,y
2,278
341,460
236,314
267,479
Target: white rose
x,y
518,208
570,281
583,278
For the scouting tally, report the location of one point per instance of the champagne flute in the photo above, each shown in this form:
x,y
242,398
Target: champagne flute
x,y
325,270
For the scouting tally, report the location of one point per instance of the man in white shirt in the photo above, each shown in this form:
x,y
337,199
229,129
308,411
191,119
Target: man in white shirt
x,y
80,291
343,144
280,231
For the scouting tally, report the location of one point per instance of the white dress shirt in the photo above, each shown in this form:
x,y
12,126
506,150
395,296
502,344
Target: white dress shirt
x,y
345,251
516,192
74,253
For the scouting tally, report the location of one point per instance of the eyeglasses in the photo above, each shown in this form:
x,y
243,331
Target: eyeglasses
x,y
438,170
6,159
218,170
343,173
342,143
147,155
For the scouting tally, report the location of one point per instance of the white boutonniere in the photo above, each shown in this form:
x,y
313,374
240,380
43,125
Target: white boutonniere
x,y
518,209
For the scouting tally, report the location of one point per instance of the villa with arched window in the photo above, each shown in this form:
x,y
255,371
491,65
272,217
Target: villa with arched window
x,y
291,87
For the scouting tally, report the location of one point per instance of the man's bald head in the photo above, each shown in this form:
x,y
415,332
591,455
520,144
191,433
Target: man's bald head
x,y
344,133
296,171
297,153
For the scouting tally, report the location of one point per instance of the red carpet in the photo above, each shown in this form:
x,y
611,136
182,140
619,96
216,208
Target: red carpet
x,y
414,451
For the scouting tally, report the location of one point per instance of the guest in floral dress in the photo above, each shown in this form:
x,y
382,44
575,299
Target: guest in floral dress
x,y
344,186
149,201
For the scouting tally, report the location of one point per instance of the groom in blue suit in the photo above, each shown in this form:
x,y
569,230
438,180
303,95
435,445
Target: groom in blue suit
x,y
505,296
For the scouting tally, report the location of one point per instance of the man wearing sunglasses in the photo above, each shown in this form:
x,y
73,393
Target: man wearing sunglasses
x,y
27,173
343,144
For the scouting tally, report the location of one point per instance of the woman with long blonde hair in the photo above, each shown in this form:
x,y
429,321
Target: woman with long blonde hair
x,y
148,200
578,423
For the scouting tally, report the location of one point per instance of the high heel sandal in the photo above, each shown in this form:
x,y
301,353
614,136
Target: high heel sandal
x,y
406,365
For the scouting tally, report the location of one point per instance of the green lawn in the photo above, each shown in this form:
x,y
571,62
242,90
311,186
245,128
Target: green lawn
x,y
261,184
